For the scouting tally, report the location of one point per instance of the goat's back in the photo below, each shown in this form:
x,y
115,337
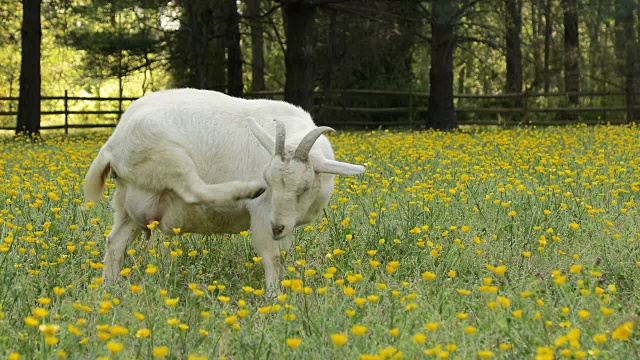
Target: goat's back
x,y
210,127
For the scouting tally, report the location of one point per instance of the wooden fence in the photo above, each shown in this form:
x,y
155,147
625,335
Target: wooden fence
x,y
502,109
66,110
499,109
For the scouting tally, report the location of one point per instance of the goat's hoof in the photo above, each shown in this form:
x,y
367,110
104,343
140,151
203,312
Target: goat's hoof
x,y
272,295
259,192
255,190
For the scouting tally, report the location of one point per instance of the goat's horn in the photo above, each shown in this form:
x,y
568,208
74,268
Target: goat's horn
x,y
281,134
302,152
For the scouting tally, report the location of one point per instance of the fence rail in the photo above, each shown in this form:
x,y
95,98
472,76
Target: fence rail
x,y
521,104
412,108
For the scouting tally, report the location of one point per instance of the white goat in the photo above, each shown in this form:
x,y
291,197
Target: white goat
x,y
196,160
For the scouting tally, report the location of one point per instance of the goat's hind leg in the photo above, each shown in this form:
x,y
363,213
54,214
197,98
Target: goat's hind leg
x,y
124,230
193,190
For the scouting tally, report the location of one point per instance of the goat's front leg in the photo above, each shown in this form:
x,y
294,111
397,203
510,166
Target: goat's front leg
x,y
269,250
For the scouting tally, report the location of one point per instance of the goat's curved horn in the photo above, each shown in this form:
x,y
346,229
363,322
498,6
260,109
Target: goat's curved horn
x,y
281,134
302,152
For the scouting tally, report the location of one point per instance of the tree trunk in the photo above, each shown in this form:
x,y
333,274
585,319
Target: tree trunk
x,y
257,45
441,113
537,34
571,54
234,53
548,32
462,79
631,49
29,99
514,52
331,45
595,49
626,39
218,48
622,11
299,57
199,22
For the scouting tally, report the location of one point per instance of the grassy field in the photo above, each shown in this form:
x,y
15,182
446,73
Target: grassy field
x,y
510,244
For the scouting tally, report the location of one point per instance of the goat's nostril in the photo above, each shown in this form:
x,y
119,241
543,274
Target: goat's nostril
x,y
277,229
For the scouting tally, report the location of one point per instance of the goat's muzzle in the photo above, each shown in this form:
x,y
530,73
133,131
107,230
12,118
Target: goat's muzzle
x,y
278,231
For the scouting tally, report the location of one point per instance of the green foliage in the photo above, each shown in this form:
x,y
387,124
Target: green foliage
x,y
87,46
366,45
118,38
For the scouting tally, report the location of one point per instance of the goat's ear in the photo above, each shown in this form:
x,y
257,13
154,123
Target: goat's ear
x,y
337,167
262,135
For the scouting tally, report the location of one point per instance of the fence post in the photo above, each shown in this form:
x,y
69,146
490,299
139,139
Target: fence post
x,y
411,114
630,104
66,112
525,101
120,104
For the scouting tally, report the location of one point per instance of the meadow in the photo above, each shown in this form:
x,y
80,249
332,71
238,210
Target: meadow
x,y
496,243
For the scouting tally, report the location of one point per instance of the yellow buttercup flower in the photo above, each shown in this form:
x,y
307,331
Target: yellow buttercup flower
x,y
358,330
171,302
160,352
142,333
622,332
114,347
339,339
293,343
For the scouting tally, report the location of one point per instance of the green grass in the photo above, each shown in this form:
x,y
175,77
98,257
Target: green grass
x,y
511,280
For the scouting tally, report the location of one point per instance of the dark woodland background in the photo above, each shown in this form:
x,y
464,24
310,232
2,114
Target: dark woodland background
x,y
564,58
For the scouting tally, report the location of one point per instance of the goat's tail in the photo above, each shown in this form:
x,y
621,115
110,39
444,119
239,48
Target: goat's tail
x,y
96,177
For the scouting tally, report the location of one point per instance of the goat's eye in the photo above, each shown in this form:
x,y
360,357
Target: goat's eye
x,y
301,191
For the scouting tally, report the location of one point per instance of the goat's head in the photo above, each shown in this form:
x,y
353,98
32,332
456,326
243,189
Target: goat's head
x,y
292,175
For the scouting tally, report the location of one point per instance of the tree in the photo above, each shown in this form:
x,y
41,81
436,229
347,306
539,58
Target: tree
x,y
627,48
441,113
364,44
29,99
548,33
571,49
300,52
200,20
483,47
10,27
595,54
117,38
257,45
206,44
514,52
536,48
234,53
217,46
622,14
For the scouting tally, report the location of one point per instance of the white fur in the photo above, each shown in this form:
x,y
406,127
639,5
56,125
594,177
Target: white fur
x,y
196,160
